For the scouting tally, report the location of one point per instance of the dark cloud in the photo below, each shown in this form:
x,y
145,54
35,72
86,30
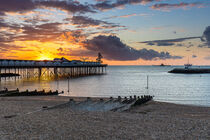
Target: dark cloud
x,y
60,50
28,5
167,6
206,36
179,45
160,43
167,42
43,32
194,56
16,6
68,5
113,49
202,45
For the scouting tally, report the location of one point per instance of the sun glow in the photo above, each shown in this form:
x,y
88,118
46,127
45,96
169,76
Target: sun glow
x,y
45,57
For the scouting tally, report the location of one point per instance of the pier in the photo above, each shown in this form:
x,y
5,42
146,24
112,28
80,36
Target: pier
x,y
57,68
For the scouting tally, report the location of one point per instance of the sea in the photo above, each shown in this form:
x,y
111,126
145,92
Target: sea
x,y
191,89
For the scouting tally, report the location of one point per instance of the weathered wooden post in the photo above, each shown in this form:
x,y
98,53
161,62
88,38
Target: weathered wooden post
x,y
56,72
68,85
147,82
40,72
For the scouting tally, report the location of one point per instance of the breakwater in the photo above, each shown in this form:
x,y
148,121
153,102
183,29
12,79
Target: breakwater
x,y
103,104
6,93
190,70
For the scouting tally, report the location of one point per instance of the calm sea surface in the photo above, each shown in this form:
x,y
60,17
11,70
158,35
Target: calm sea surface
x,y
129,80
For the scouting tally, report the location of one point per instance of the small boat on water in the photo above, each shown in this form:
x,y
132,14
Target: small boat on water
x,y
164,65
187,66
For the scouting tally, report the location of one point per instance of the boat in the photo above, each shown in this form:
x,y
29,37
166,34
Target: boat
x,y
188,65
164,64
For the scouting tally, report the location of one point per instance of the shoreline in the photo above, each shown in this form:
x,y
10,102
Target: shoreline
x,y
152,120
81,98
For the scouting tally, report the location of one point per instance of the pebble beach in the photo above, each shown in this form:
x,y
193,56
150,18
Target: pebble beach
x,y
23,118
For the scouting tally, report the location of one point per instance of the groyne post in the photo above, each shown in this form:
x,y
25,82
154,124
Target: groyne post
x,y
68,84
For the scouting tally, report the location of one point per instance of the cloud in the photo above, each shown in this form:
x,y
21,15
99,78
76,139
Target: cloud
x,y
28,5
130,15
74,36
179,45
168,7
206,36
194,56
160,43
70,6
16,6
84,22
6,49
35,19
202,45
113,49
207,57
107,5
167,42
43,32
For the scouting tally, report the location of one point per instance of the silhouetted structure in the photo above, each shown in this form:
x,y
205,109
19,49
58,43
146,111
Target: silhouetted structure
x,y
98,59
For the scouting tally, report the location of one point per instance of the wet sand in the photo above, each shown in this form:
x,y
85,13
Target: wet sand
x,y
154,120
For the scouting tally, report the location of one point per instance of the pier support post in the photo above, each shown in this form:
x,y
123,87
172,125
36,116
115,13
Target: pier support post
x,y
56,72
40,72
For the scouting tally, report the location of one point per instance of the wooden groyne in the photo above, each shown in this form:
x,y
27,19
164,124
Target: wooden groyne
x,y
112,104
7,93
190,70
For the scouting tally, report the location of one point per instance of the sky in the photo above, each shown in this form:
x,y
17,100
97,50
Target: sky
x,y
125,32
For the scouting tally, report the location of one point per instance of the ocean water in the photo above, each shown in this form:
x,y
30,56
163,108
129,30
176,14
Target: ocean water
x,y
123,81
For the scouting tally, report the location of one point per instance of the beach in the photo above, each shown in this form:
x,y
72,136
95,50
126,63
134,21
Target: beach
x,y
27,118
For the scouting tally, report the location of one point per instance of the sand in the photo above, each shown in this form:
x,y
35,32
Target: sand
x,y
154,120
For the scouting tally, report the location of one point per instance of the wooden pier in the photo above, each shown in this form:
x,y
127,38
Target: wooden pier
x,y
57,68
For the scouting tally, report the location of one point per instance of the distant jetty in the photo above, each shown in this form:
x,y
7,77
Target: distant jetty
x,y
190,70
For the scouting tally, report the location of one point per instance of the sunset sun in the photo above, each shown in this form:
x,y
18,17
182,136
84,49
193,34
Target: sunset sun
x,y
45,57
